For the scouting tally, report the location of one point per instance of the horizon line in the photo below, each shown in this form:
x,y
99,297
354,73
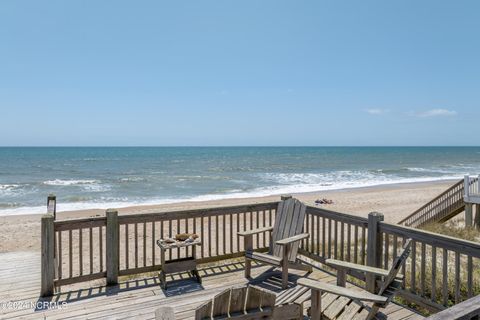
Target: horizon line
x,y
241,146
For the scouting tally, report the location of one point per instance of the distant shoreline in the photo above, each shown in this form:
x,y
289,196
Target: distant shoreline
x,y
153,204
395,201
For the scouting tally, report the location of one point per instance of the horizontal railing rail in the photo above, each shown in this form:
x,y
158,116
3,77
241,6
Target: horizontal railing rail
x,y
469,309
450,243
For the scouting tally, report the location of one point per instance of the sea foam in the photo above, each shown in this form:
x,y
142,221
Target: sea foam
x,y
106,203
60,182
85,178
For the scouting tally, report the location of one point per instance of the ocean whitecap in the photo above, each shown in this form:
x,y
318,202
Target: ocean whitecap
x,y
60,182
88,185
133,179
10,189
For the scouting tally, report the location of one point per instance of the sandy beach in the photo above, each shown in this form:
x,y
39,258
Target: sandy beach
x,y
395,201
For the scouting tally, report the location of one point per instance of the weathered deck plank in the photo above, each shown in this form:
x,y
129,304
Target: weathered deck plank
x,y
138,298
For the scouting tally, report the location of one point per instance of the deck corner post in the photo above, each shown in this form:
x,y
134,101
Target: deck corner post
x,y
112,246
374,248
48,255
52,205
466,187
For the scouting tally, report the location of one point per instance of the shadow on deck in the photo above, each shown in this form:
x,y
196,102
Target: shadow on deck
x,y
138,298
178,284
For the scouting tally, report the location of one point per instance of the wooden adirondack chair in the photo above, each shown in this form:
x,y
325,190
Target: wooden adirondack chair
x,y
285,239
238,303
345,304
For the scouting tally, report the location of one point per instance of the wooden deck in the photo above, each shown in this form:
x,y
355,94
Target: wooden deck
x,y
136,298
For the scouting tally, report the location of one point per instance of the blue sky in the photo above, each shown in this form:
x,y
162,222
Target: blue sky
x,y
239,72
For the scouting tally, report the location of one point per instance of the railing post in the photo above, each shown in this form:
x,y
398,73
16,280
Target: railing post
x,y
468,205
48,255
52,205
468,215
374,248
466,188
112,246
477,216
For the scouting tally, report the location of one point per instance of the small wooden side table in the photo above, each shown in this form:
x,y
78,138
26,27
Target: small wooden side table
x,y
178,265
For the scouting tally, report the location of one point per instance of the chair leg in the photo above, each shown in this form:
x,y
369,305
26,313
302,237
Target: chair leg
x,y
341,277
373,312
248,245
316,308
284,277
285,267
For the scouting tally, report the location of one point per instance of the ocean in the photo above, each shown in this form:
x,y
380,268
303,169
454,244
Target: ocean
x,y
103,177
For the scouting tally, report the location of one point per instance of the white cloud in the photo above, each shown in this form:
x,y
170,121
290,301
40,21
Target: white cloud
x,y
376,111
436,113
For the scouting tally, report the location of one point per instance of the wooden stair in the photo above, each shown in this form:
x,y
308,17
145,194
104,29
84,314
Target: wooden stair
x,y
442,208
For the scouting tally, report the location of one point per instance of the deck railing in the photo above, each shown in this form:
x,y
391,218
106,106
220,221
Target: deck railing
x,y
445,204
335,235
216,227
112,246
441,271
472,188
80,250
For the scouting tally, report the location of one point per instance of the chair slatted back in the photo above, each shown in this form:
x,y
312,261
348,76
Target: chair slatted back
x,y
258,298
390,284
220,303
288,223
204,311
238,297
236,302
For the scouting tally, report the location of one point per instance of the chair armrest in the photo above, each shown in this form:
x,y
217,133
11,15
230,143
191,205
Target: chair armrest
x,y
358,267
341,291
290,240
254,231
